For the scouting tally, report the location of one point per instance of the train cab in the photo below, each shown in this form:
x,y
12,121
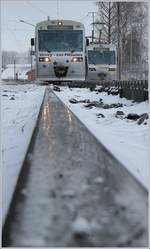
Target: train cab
x,y
101,62
60,51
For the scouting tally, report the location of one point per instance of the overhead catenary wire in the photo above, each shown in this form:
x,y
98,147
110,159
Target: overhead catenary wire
x,y
81,19
19,46
93,13
19,43
34,6
16,29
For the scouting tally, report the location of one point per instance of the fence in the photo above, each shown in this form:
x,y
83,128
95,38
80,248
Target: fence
x,y
132,90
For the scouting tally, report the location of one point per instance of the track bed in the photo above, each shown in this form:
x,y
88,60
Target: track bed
x,y
69,175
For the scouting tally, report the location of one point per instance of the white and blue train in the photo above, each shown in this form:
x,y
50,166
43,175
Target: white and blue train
x,y
59,51
101,62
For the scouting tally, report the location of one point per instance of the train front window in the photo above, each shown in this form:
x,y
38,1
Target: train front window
x,y
105,57
60,40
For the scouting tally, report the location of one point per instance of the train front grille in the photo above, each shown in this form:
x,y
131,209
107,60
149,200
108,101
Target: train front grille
x,y
102,76
60,71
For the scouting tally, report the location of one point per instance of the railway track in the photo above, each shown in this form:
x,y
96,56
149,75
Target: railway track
x,y
68,176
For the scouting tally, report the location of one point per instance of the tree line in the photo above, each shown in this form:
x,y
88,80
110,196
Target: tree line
x,y
125,24
11,57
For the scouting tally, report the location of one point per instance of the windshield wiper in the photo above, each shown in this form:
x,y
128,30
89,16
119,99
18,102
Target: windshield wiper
x,y
49,51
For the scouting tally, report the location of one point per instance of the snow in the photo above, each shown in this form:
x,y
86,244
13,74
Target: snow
x,y
81,226
69,193
20,109
124,138
20,69
99,180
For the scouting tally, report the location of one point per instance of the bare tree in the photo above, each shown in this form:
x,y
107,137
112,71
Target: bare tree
x,y
134,39
8,57
130,34
105,10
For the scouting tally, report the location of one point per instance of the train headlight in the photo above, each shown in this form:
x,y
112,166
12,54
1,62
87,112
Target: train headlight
x,y
44,59
77,59
59,23
47,59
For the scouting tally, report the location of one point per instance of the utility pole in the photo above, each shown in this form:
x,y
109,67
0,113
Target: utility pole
x,y
131,50
118,30
100,34
30,49
109,23
31,59
14,68
101,25
93,18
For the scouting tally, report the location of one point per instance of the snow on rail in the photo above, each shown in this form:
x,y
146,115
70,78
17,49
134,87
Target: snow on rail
x,y
20,109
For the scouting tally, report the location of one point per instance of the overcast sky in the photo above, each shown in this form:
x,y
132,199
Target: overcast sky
x,y
16,35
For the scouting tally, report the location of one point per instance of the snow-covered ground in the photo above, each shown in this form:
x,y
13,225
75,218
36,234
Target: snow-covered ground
x,y
20,107
124,138
127,140
20,70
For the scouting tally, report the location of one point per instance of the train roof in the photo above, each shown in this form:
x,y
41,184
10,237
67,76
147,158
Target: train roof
x,y
56,22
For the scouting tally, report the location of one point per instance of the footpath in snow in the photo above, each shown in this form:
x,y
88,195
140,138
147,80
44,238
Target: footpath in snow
x,y
124,138
20,108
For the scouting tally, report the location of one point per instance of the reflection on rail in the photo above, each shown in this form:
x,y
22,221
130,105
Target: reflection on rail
x,y
69,118
46,119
